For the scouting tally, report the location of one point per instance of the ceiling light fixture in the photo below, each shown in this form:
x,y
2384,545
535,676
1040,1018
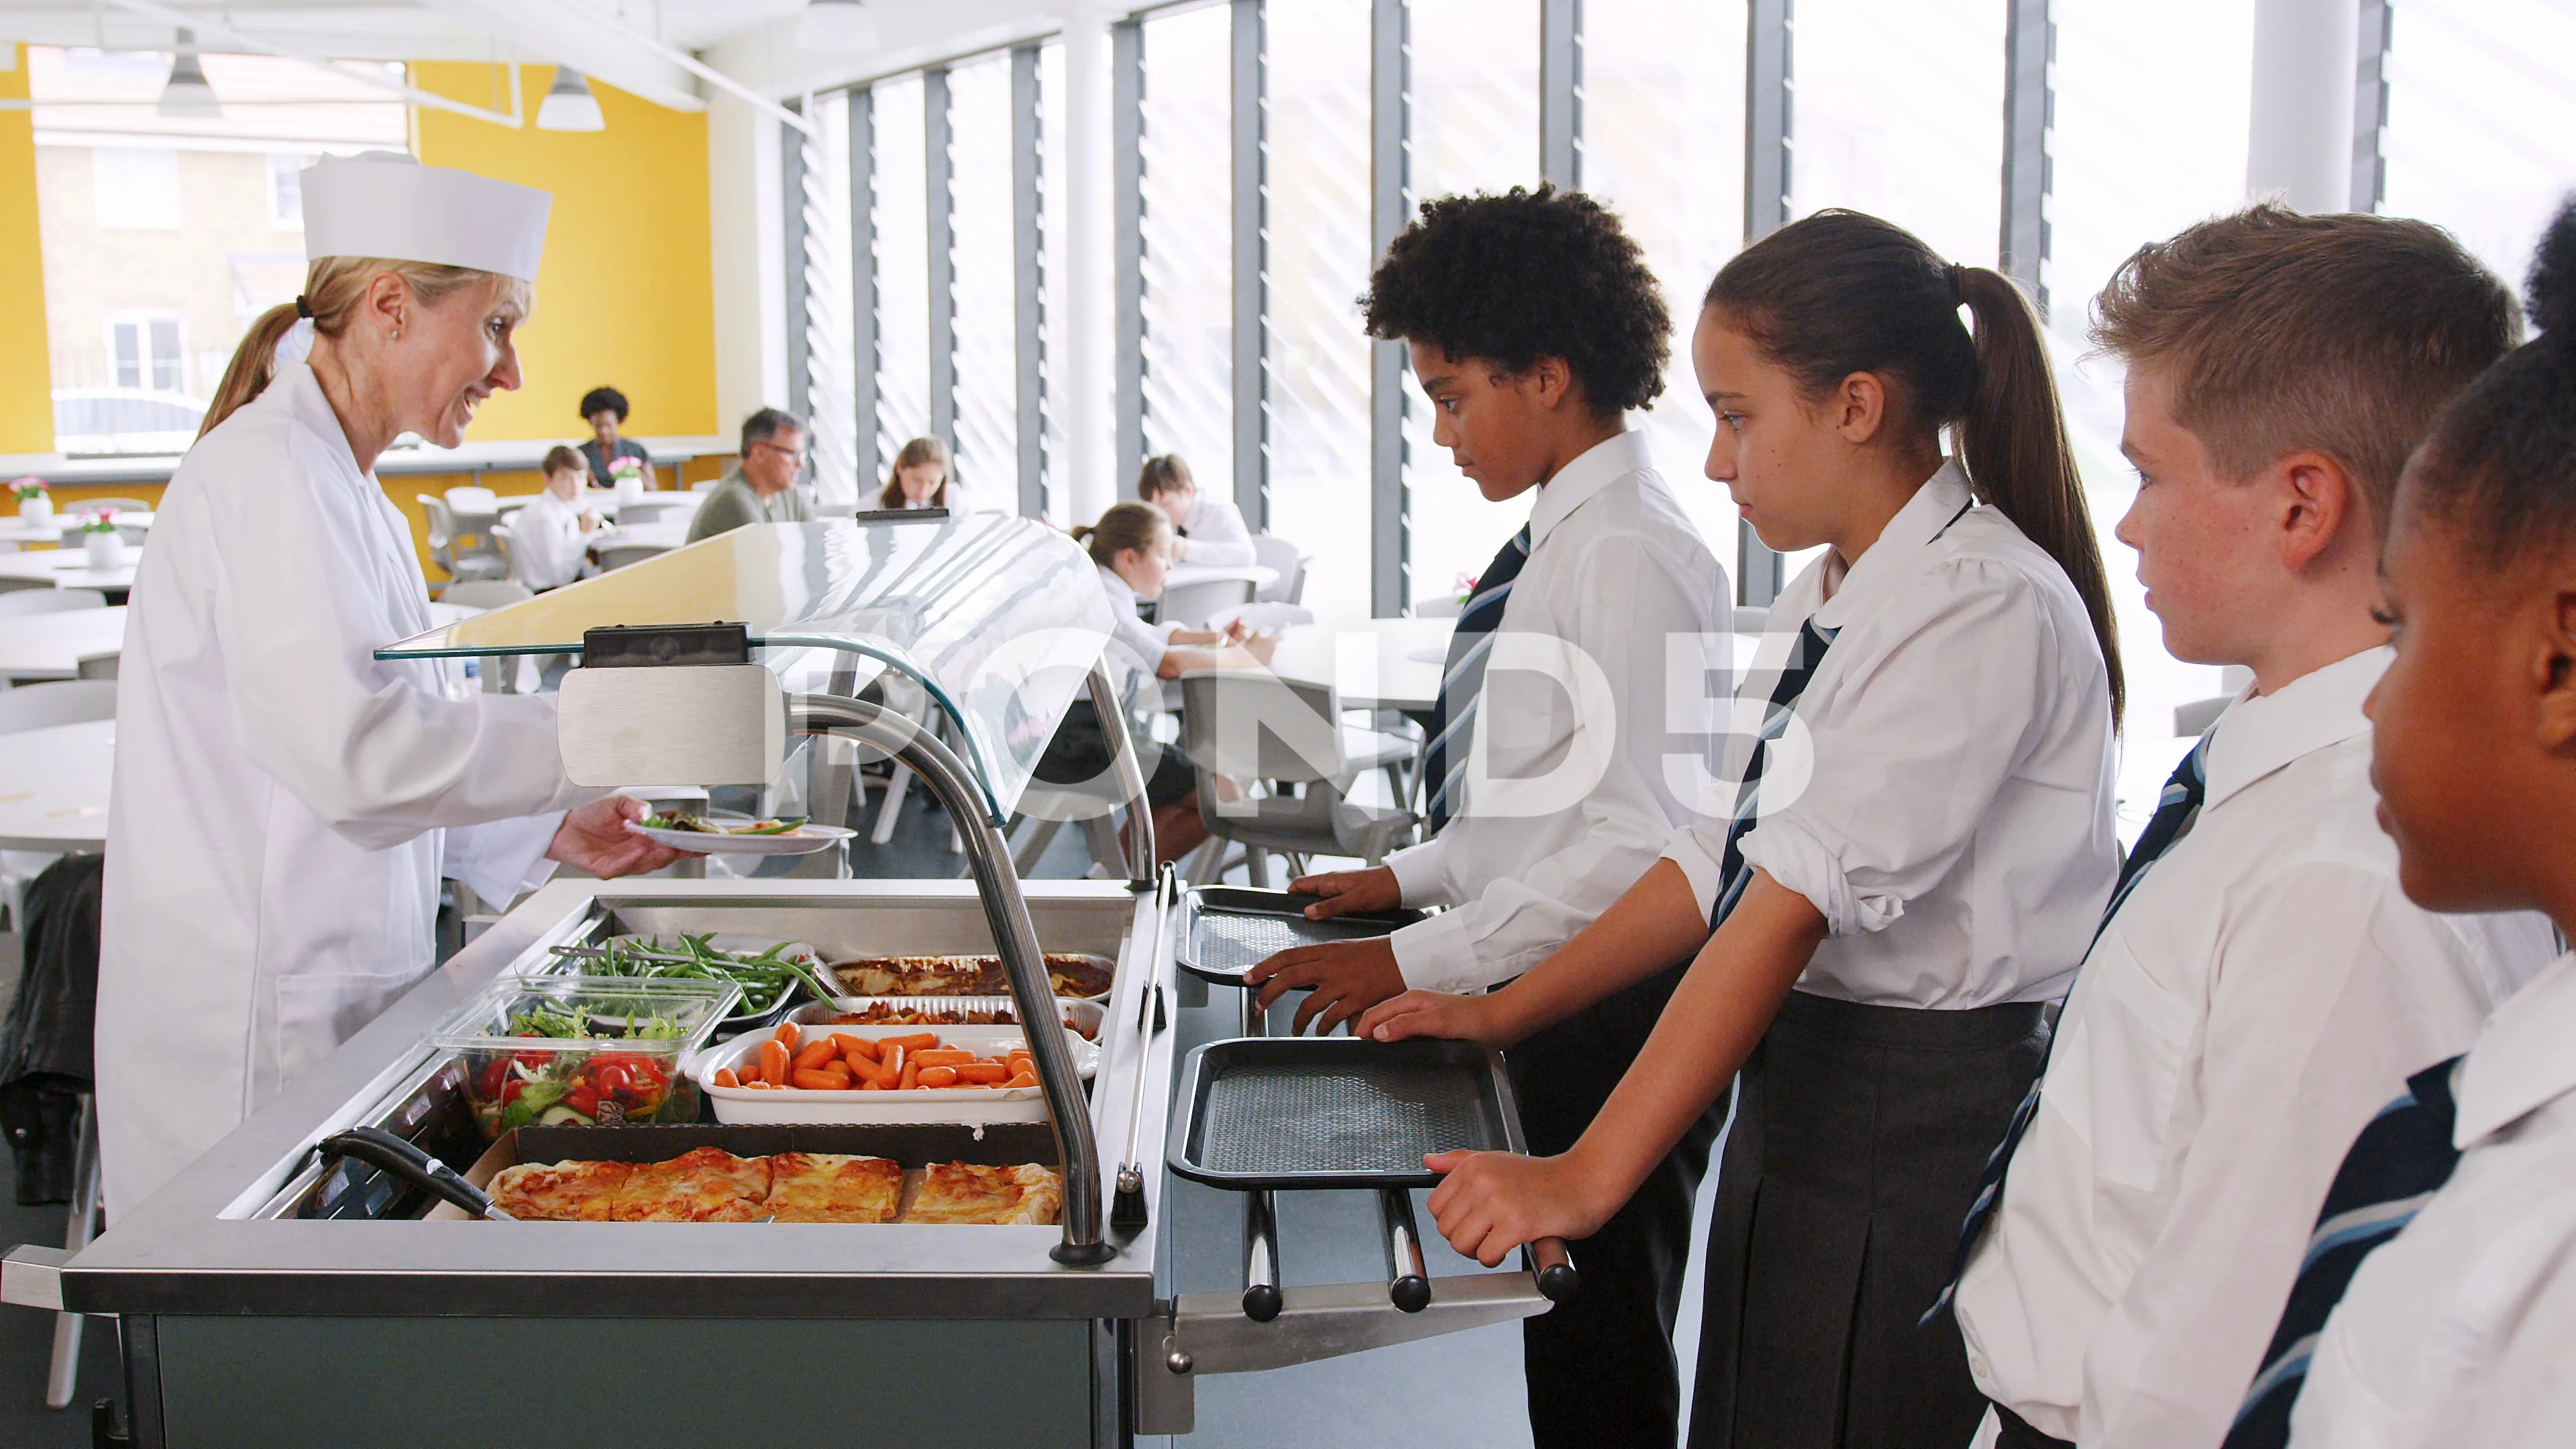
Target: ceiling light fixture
x,y
187,96
843,25
569,105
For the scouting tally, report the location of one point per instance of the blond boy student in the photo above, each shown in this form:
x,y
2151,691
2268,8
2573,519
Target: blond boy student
x,y
2258,988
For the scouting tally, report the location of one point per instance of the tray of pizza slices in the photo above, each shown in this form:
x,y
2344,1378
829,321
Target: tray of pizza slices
x,y
996,1175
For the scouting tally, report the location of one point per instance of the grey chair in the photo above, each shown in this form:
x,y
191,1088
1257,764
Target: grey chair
x,y
1290,736
466,551
1281,557
486,593
97,666
1190,605
22,602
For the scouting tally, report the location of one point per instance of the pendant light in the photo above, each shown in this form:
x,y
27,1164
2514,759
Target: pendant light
x,y
187,96
569,105
839,25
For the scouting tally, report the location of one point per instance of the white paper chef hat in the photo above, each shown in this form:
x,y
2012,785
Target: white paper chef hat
x,y
385,204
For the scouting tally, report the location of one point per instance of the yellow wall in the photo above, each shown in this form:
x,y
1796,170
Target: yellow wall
x,y
625,296
26,380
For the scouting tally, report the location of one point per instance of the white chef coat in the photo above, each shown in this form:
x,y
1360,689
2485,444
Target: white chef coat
x,y
1955,832
2460,1329
546,542
2264,990
1218,536
1617,571
283,804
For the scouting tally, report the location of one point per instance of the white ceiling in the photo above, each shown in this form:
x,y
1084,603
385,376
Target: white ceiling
x,y
624,42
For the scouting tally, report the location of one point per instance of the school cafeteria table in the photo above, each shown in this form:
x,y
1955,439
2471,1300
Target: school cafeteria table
x,y
16,530
51,646
67,568
53,788
663,534
1391,663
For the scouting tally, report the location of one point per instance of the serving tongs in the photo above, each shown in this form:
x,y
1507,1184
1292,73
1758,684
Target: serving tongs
x,y
403,1159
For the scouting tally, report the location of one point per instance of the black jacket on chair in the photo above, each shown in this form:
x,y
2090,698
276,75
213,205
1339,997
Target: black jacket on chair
x,y
45,1062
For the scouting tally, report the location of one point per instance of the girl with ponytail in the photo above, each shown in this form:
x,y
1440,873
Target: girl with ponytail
x,y
1912,852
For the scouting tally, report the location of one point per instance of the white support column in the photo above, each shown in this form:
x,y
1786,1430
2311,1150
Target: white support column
x,y
746,252
2305,58
1087,375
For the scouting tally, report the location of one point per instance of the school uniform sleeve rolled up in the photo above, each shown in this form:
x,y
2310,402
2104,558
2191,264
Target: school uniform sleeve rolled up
x,y
1618,574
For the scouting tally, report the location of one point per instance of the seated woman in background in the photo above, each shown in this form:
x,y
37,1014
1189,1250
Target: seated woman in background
x,y
1211,531
1132,547
604,408
549,536
919,478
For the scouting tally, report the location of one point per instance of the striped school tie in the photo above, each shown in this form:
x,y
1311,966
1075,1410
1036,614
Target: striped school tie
x,y
2400,1159
1462,677
2176,809
1804,655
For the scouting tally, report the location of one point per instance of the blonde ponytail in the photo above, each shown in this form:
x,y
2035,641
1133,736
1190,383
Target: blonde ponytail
x,y
333,288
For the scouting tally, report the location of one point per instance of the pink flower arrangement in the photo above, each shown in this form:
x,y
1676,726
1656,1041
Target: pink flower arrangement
x,y
30,488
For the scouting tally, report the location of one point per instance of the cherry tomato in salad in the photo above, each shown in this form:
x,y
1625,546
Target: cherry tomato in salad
x,y
612,1079
583,1100
510,1091
487,1083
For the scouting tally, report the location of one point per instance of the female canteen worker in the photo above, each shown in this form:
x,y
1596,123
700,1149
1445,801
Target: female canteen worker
x,y
284,804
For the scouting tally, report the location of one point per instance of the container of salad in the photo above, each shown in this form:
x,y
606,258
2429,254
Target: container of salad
x,y
774,975
583,1051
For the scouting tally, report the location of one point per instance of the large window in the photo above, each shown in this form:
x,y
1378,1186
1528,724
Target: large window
x,y
903,267
164,236
979,152
1055,337
1474,128
829,298
1319,262
1188,231
1899,113
2482,121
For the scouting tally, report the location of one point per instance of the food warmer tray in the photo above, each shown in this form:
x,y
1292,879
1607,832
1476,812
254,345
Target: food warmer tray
x,y
1337,1112
1228,930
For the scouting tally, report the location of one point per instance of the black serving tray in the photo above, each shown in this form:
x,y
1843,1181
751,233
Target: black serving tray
x,y
1337,1112
1228,930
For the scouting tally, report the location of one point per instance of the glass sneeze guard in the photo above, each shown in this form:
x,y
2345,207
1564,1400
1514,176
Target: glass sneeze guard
x,y
998,619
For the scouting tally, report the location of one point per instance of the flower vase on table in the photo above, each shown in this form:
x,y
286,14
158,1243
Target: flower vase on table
x,y
100,540
627,475
35,504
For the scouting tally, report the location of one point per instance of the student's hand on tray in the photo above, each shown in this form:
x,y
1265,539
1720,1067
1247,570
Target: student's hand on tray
x,y
1344,891
1349,977
595,839
1489,1203
1479,1019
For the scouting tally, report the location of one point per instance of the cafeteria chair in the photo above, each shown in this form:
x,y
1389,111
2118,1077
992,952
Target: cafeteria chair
x,y
486,593
465,552
96,666
1250,727
1280,556
36,707
40,600
619,555
1191,604
649,509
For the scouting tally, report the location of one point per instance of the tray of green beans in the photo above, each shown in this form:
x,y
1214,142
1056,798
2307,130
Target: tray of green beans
x,y
774,975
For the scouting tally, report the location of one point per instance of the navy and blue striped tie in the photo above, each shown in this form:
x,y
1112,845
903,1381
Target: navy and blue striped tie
x,y
2397,1163
1805,654
1462,678
2176,808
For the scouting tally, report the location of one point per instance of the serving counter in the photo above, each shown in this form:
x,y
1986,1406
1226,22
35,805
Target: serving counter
x,y
275,1295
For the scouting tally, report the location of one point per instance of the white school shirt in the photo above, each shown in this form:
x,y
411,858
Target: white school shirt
x,y
1135,643
1955,831
2265,989
2462,1329
1218,536
1616,571
546,544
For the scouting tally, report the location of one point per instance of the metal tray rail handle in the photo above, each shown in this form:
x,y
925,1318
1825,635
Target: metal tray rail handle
x,y
1131,776
1006,910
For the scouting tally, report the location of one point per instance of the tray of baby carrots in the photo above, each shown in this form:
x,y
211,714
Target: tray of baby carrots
x,y
821,1072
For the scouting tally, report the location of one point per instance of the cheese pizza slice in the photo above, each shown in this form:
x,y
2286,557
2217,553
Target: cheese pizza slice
x,y
704,1185
967,1192
832,1187
562,1192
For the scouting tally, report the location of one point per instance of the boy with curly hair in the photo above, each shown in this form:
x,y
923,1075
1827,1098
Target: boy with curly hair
x,y
1533,327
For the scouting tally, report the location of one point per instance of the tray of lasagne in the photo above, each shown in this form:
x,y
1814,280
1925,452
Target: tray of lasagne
x,y
1069,974
1000,1176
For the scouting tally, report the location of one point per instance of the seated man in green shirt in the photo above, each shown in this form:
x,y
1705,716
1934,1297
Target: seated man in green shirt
x,y
761,485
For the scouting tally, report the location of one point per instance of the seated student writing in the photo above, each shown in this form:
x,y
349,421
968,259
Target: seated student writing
x,y
548,536
1206,529
1131,547
1534,326
1890,923
2255,996
919,478
2458,1326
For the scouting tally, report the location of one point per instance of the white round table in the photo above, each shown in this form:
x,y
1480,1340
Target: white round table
x,y
53,787
68,568
1392,664
14,529
51,646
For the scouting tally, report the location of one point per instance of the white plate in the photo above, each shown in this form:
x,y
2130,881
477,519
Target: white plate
x,y
804,840
942,1105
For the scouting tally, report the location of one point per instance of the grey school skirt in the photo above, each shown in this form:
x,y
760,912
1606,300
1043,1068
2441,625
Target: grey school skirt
x,y
1859,1133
